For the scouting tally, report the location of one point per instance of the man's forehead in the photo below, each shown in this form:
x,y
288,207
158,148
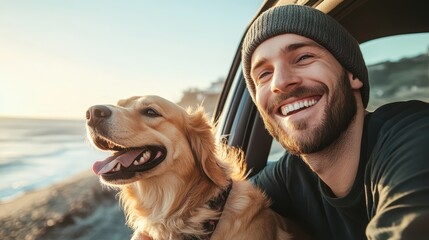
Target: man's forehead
x,y
286,42
289,42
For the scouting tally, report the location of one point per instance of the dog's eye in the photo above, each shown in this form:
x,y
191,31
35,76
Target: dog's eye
x,y
150,112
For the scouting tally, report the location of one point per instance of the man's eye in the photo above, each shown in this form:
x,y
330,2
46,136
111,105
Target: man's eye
x,y
304,57
263,76
150,112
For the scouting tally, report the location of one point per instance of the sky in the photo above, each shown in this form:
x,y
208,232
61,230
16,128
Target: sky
x,y
57,58
395,47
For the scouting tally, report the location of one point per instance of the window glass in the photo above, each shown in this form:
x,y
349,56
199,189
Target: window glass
x,y
276,151
398,68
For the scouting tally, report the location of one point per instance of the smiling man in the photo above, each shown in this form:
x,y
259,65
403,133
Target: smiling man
x,y
347,173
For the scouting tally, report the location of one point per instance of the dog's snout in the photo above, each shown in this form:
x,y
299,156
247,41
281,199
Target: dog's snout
x,y
96,114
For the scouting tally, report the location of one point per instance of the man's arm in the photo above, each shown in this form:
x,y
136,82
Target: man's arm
x,y
399,175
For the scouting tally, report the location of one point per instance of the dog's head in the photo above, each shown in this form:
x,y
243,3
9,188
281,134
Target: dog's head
x,y
150,136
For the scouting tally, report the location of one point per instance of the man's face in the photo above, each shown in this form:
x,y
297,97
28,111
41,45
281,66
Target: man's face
x,y
303,93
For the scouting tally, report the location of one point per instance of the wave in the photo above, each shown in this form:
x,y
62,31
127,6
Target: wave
x,y
39,153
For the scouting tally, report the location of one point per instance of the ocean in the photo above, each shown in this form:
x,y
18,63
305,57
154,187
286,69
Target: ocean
x,y
38,153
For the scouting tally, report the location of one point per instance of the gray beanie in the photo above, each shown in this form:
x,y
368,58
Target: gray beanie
x,y
310,23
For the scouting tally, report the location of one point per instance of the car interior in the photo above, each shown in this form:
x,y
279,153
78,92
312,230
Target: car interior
x,y
238,121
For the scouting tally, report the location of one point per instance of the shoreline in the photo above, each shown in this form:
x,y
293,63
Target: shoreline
x,y
77,208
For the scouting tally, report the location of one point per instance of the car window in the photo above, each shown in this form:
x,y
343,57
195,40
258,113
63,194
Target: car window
x,y
398,68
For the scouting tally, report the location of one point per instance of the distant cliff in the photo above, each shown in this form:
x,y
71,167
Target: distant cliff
x,y
207,98
407,78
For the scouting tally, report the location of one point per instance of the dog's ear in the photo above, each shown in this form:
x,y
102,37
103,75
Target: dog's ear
x,y
202,141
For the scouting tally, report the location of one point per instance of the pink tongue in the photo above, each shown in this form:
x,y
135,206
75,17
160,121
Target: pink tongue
x,y
125,158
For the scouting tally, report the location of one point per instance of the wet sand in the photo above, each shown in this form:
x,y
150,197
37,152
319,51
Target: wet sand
x,y
78,208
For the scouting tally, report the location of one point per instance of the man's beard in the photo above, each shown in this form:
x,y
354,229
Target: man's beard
x,y
339,112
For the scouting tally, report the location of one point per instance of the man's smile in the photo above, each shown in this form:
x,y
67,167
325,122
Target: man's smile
x,y
293,107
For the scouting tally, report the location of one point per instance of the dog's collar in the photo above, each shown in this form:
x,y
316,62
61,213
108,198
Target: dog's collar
x,y
217,204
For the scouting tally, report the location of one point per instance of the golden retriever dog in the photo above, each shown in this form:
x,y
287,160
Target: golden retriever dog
x,y
175,181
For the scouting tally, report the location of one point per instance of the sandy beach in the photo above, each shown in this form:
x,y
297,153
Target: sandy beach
x,y
78,208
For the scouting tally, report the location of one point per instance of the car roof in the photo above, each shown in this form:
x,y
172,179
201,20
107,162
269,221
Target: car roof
x,y
378,18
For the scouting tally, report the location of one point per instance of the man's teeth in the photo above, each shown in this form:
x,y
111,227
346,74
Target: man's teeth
x,y
143,159
297,105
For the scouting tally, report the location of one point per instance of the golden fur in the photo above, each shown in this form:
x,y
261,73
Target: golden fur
x,y
170,200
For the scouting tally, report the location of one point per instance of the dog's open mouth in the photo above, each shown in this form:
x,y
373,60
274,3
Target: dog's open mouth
x,y
123,164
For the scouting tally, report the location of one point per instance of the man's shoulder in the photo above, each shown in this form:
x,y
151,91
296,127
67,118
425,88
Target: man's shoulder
x,y
400,137
397,108
400,114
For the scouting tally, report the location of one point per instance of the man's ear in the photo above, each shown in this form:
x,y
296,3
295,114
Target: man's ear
x,y
355,82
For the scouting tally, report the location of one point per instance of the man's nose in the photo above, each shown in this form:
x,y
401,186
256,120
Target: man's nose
x,y
283,79
96,114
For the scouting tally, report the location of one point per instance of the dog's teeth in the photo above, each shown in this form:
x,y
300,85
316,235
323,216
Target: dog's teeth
x,y
146,156
117,168
141,160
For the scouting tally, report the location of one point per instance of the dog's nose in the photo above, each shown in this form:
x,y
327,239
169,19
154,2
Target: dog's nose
x,y
96,114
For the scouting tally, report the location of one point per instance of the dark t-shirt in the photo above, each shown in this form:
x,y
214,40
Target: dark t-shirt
x,y
390,195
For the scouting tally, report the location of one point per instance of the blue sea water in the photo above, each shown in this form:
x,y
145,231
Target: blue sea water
x,y
38,153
